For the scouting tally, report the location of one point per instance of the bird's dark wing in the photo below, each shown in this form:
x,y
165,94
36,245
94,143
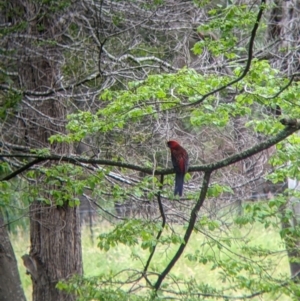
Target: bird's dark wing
x,y
180,160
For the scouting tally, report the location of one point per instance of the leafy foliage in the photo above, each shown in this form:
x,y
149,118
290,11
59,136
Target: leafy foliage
x,y
126,91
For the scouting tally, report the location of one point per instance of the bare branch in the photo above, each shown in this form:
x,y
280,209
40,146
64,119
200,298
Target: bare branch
x,y
163,216
189,230
249,59
293,126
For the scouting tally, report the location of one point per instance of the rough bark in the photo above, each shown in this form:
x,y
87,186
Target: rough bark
x,y
54,230
10,282
55,247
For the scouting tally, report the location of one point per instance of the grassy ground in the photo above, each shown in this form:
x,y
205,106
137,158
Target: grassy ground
x,y
97,261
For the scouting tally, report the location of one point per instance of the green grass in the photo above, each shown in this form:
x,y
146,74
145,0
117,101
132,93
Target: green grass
x,y
98,262
21,245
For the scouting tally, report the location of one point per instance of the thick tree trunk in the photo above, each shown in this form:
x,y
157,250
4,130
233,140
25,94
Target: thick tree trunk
x,y
55,252
10,283
55,247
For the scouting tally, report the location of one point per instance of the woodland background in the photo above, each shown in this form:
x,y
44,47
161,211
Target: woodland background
x,y
90,91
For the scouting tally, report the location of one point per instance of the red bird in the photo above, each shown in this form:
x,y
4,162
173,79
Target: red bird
x,y
180,160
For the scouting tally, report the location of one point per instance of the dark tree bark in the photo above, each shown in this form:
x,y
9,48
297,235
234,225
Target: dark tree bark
x,y
54,230
10,283
55,247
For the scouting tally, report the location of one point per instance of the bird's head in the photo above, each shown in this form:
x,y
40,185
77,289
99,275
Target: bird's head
x,y
172,144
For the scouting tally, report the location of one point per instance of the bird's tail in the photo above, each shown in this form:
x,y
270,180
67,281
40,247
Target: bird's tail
x,y
179,184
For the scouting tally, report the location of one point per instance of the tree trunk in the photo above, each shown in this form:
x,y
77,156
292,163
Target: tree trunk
x,y
55,247
284,26
10,283
55,252
291,240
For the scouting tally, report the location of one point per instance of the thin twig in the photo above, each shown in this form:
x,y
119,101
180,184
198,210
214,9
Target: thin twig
x,y
189,230
163,216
